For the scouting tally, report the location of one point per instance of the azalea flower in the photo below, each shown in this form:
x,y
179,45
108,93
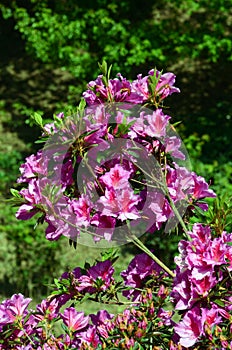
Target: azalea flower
x,y
190,328
74,320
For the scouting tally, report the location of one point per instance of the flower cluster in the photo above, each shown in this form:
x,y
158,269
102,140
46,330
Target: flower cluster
x,y
201,290
114,171
202,286
22,328
126,157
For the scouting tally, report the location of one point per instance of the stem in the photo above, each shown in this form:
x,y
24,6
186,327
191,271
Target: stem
x,y
176,212
140,245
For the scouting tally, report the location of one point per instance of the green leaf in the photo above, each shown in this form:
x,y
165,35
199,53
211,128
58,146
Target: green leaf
x,y
219,302
38,119
82,104
15,193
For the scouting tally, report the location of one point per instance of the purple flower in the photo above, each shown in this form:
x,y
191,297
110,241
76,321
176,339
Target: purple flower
x,y
104,226
33,166
183,291
67,170
90,337
120,204
190,328
165,85
172,146
82,208
103,322
134,276
165,316
157,123
117,177
51,128
99,277
46,310
74,320
13,309
33,197
117,90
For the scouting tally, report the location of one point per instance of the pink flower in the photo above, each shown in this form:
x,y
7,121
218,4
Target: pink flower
x,y
139,268
172,146
117,177
74,320
180,183
157,123
99,277
160,207
201,233
140,85
201,188
118,90
33,166
13,309
82,209
120,204
190,328
211,316
204,285
90,337
165,86
33,197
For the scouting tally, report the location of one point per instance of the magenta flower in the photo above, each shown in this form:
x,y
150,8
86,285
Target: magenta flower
x,y
99,277
105,226
118,90
201,189
102,270
190,328
204,285
13,309
165,86
117,177
46,310
157,123
90,337
33,166
33,197
82,208
140,267
74,320
120,204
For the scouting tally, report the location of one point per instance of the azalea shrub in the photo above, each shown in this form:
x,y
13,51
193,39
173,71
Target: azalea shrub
x,y
107,174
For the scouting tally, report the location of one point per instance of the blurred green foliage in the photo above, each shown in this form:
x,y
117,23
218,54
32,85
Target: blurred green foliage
x,y
50,50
